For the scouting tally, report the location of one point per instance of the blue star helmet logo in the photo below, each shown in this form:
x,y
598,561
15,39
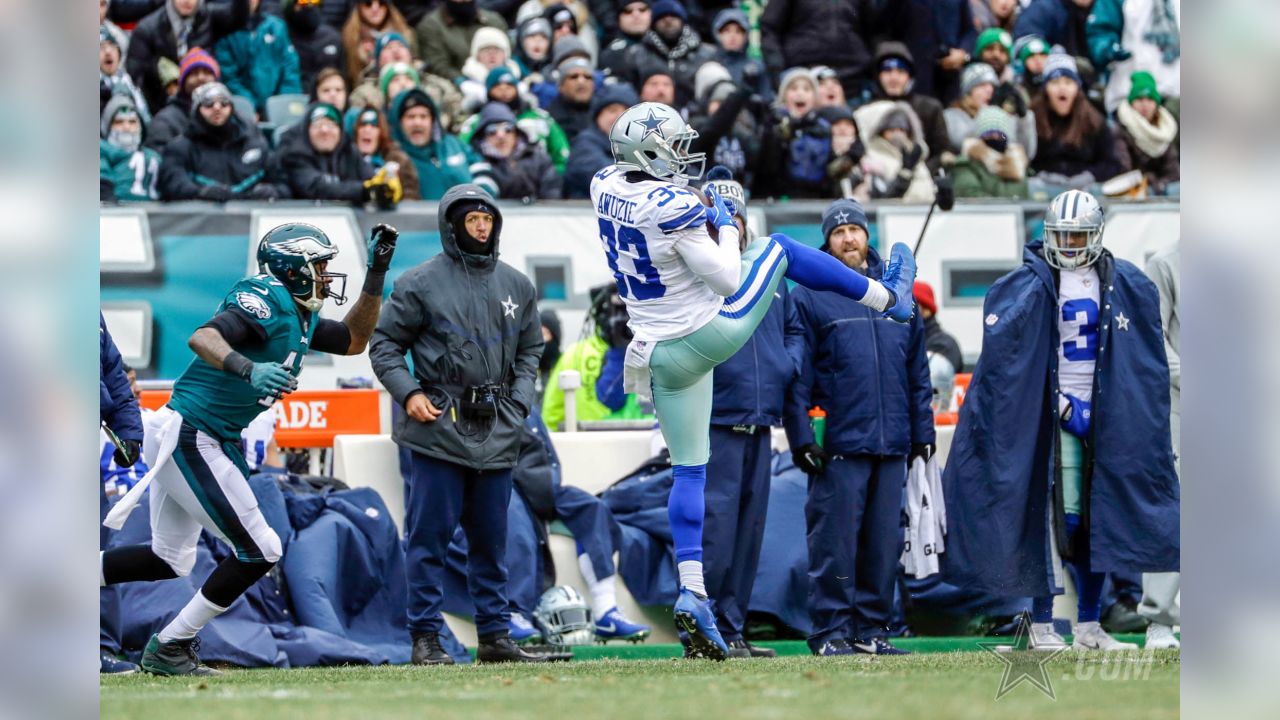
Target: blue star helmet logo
x,y
652,125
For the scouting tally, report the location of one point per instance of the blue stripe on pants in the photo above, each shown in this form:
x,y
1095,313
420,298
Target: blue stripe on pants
x,y
442,494
853,514
737,502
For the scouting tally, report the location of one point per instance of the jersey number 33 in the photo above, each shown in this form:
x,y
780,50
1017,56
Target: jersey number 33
x,y
628,257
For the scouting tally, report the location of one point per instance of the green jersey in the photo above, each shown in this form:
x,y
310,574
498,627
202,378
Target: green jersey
x,y
133,175
222,404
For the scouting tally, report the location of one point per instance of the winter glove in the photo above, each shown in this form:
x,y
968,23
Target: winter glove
x,y
128,455
782,124
924,451
1008,98
262,191
385,192
721,211
214,193
810,458
272,379
911,157
382,244
1115,53
1075,414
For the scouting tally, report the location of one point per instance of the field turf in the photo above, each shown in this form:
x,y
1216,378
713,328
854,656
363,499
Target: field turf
x,y
933,683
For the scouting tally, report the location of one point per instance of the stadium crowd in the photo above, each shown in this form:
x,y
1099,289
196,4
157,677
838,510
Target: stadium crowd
x,y
362,101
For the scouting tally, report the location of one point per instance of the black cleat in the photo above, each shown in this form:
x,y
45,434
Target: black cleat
x,y
498,648
428,651
174,658
740,648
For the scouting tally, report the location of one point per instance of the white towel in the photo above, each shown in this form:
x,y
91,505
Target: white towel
x,y
926,519
635,369
160,437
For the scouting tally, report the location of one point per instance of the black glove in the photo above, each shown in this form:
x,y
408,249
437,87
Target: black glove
x,y
751,74
924,451
911,157
1008,98
382,244
262,191
810,458
214,193
128,455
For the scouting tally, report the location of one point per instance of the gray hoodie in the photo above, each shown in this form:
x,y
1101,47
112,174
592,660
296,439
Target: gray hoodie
x,y
465,320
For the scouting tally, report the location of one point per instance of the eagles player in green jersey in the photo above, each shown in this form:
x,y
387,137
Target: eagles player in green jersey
x,y
247,356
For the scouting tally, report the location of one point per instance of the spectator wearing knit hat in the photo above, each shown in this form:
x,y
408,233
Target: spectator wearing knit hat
x,y
391,48
575,79
521,168
896,157
106,26
1146,136
830,91
536,124
796,144
219,157
1075,148
318,44
633,20
446,33
590,151
994,47
533,46
991,163
847,167
728,132
371,136
112,78
170,31
127,171
442,161
977,85
490,50
656,84
1030,52
197,68
321,164
894,82
259,61
819,32
732,30
670,43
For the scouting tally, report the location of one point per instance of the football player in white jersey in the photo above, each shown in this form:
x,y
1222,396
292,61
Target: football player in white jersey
x,y
694,298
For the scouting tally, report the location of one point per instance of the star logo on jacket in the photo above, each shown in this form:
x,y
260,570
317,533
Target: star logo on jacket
x,y
509,308
1122,322
652,126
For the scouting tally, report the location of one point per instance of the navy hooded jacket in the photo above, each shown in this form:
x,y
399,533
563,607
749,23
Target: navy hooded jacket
x,y
116,404
1000,476
870,374
751,387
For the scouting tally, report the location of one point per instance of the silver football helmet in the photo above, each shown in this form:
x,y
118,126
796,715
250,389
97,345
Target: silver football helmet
x,y
1073,230
564,617
653,138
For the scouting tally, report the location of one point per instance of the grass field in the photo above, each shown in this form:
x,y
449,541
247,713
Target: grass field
x,y
923,685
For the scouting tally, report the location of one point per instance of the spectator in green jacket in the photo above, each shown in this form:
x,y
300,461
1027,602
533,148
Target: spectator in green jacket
x,y
126,170
992,163
445,34
441,160
536,123
599,361
259,61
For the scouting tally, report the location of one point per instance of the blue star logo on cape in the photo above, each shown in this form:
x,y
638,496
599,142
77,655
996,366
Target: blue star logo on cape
x,y
1021,663
652,125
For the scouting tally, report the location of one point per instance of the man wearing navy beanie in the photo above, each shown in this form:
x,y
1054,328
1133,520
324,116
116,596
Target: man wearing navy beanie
x,y
872,380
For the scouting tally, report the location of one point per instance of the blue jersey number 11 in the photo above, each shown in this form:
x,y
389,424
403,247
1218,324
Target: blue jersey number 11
x,y
641,280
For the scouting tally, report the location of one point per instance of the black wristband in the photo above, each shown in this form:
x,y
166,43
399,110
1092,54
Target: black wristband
x,y
237,364
373,280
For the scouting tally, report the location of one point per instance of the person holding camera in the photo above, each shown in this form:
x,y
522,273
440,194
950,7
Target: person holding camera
x,y
471,325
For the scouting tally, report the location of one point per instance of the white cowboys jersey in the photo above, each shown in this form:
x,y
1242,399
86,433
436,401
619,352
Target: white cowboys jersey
x,y
640,224
1078,301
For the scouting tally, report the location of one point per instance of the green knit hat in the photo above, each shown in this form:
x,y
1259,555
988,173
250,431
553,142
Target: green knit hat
x,y
394,69
1143,85
1031,45
991,36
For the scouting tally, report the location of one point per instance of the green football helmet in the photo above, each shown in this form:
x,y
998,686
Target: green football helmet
x,y
290,254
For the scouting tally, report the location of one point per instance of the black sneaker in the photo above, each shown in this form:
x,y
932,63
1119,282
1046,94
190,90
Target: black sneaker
x,y
112,665
499,648
877,646
428,651
832,648
743,648
174,658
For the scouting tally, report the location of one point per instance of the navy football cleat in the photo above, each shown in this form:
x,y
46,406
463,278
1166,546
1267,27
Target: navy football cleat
x,y
900,277
832,648
613,625
877,646
112,665
694,616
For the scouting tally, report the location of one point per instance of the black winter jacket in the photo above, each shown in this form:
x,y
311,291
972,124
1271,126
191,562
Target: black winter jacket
x,y
817,32
466,320
312,175
231,156
682,59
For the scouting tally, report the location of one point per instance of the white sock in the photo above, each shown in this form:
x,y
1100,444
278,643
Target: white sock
x,y
191,619
604,596
102,575
588,570
878,296
691,576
